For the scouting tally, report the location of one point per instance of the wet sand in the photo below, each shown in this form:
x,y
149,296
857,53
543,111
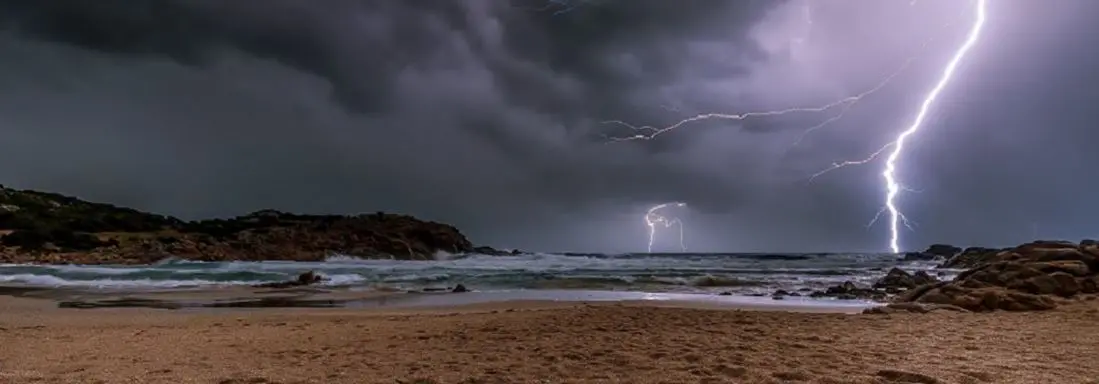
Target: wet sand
x,y
542,342
318,297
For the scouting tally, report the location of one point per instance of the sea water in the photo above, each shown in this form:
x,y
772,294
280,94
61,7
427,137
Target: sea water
x,y
738,274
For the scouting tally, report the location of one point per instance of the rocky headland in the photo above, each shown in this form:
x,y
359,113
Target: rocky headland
x,y
1030,277
1038,275
40,227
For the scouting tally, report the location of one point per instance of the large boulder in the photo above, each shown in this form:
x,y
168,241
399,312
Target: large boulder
x,y
933,252
972,257
1025,278
944,250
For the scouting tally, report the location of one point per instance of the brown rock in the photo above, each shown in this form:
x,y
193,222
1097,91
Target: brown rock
x,y
1089,285
913,307
1073,267
897,278
973,257
1067,286
308,278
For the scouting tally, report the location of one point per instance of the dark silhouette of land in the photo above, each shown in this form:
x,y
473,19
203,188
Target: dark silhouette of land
x,y
41,227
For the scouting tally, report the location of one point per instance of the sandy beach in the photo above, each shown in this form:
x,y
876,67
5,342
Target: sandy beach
x,y
542,342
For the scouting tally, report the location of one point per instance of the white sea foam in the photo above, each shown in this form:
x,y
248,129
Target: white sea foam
x,y
511,271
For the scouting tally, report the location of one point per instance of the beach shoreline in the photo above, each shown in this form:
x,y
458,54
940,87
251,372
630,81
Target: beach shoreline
x,y
218,298
541,341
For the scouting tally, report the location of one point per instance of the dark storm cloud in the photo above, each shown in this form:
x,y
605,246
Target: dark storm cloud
x,y
485,114
467,112
359,45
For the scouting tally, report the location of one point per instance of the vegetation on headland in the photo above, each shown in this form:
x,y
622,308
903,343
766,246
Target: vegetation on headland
x,y
41,227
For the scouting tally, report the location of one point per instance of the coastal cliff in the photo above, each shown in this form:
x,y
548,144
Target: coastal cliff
x,y
40,227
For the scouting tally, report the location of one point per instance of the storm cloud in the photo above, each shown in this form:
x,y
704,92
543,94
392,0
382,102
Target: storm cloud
x,y
489,114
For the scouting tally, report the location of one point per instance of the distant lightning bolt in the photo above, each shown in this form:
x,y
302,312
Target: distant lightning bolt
x,y
653,217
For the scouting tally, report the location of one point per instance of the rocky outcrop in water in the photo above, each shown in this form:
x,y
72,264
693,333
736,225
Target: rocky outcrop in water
x,y
897,279
484,250
1030,277
308,278
851,291
933,252
38,227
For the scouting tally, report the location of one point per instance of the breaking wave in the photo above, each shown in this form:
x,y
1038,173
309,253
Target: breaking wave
x,y
655,272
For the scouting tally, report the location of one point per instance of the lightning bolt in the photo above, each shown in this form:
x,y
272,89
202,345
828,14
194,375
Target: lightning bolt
x,y
891,184
894,148
653,218
564,6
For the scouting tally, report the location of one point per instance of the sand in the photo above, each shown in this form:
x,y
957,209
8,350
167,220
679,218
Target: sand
x,y
542,342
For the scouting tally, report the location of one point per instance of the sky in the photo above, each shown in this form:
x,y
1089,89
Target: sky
x,y
491,115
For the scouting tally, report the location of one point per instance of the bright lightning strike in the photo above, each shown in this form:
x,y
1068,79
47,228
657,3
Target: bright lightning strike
x,y
892,186
653,217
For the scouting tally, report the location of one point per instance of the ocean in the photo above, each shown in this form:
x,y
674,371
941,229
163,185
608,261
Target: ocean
x,y
734,273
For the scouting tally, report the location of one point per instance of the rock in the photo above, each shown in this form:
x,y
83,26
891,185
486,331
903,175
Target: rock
x,y
308,278
1072,267
933,252
922,277
912,307
459,289
897,278
1066,284
919,256
943,250
849,291
1026,278
972,257
490,251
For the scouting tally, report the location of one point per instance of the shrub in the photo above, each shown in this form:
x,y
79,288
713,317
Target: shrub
x,y
25,239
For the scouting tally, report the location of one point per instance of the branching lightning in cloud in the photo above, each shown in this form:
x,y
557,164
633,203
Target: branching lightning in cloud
x,y
654,217
648,132
561,6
